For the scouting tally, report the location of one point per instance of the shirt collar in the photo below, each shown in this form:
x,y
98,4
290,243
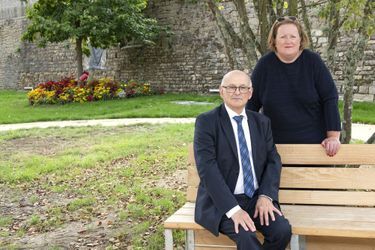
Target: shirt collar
x,y
231,113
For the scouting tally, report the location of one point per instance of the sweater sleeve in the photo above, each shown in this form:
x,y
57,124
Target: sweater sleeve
x,y
328,94
254,103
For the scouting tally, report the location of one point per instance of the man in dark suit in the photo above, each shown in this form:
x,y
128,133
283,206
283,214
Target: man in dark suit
x,y
239,170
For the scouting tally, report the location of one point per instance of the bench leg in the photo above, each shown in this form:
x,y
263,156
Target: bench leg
x,y
168,239
189,243
298,242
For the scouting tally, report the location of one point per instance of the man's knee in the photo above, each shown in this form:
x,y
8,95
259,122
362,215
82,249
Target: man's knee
x,y
248,239
282,230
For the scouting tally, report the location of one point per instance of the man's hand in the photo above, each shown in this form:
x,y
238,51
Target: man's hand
x,y
331,145
265,209
242,218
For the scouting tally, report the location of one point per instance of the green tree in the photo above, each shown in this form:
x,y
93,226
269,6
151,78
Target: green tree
x,y
102,23
246,40
353,19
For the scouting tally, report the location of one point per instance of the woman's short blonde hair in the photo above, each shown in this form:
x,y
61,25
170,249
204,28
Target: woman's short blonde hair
x,y
287,20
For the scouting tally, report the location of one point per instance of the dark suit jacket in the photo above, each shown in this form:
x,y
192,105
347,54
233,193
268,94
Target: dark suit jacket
x,y
218,165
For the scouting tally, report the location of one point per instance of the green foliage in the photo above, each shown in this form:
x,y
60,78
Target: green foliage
x,y
104,23
351,14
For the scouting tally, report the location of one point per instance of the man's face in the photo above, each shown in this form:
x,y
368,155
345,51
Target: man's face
x,y
236,91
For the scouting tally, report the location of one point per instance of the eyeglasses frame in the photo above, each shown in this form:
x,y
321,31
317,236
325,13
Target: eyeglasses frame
x,y
245,89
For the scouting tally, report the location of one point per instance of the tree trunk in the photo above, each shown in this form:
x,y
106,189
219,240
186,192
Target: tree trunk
x,y
348,104
354,54
230,38
79,56
279,8
264,26
307,23
334,32
293,8
248,38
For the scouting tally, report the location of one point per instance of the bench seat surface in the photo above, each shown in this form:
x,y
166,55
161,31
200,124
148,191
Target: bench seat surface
x,y
305,220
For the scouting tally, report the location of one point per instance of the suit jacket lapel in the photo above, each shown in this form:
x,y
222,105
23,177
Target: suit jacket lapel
x,y
254,139
228,129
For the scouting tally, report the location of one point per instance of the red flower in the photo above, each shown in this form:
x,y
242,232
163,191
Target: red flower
x,y
84,76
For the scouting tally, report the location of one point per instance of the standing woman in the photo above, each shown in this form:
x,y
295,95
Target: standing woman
x,y
295,90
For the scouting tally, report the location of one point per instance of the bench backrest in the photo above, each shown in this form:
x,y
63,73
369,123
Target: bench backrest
x,y
350,182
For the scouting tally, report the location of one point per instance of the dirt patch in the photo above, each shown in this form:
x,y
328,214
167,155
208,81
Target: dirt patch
x,y
41,215
51,145
177,181
95,229
35,145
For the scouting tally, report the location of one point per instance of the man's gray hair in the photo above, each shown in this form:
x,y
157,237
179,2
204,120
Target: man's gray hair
x,y
235,72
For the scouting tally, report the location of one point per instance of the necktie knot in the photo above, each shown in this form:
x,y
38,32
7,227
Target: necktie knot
x,y
238,118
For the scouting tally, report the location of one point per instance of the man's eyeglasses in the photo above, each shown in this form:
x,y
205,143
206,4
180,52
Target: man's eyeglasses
x,y
283,18
232,89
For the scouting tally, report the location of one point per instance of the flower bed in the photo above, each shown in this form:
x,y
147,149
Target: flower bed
x,y
70,90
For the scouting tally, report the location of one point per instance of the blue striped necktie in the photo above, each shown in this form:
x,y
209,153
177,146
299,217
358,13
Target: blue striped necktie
x,y
248,178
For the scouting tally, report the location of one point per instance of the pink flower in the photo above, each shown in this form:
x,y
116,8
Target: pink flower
x,y
84,76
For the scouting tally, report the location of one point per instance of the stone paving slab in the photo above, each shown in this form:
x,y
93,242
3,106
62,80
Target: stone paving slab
x,y
359,131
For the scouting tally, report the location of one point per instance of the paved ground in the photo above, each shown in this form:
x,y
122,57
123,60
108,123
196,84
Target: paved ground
x,y
359,131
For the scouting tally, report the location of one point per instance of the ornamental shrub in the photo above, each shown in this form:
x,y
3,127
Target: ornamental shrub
x,y
70,90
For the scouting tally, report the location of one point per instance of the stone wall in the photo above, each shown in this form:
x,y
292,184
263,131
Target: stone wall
x,y
192,59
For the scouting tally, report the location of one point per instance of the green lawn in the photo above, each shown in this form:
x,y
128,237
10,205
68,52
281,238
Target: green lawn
x,y
15,108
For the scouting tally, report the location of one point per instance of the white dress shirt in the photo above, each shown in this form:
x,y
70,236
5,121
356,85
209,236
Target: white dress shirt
x,y
239,189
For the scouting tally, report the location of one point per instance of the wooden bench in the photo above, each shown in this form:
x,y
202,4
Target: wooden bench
x,y
328,207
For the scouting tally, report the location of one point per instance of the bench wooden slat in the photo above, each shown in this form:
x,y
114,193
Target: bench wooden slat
x,y
308,220
182,222
352,154
353,198
314,154
191,194
306,177
183,218
344,198
327,178
331,221
204,237
204,240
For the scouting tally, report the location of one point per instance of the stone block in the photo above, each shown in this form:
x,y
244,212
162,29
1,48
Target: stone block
x,y
363,89
363,97
316,32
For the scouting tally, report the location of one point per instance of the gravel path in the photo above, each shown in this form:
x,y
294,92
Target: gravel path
x,y
359,131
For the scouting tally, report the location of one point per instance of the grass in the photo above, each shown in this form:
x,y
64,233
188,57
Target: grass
x,y
15,108
80,203
363,112
5,221
86,172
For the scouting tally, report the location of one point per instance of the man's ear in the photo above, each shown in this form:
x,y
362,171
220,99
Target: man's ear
x,y
221,91
251,94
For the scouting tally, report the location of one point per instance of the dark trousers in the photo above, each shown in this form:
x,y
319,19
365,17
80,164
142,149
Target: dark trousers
x,y
276,235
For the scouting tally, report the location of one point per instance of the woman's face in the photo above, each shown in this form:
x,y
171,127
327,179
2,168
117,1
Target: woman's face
x,y
287,41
